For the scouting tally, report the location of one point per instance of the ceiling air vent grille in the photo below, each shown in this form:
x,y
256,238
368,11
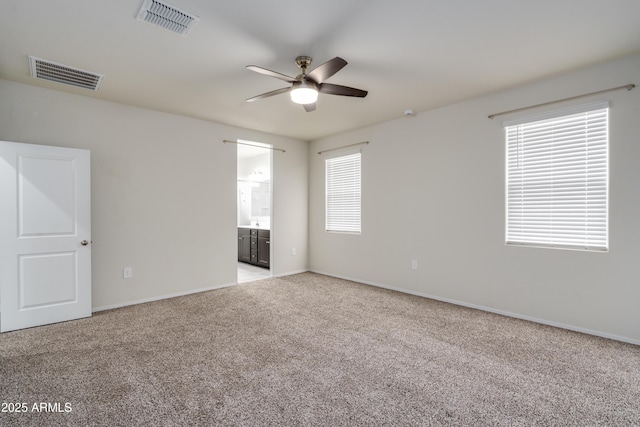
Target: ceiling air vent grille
x,y
167,17
54,72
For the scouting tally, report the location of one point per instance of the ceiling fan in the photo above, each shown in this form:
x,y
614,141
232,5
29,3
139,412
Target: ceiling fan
x,y
305,86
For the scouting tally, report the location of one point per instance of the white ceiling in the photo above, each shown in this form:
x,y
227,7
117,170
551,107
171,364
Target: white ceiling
x,y
409,54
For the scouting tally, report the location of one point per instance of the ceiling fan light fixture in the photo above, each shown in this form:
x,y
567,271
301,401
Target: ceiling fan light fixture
x,y
304,93
305,87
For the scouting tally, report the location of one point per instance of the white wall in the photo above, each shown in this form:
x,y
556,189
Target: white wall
x,y
260,162
163,191
433,191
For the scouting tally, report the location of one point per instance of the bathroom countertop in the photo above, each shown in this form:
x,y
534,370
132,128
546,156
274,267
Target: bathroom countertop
x,y
255,227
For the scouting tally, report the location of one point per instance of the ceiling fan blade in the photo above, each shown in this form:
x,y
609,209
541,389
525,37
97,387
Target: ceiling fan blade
x,y
341,90
309,107
268,94
324,71
271,73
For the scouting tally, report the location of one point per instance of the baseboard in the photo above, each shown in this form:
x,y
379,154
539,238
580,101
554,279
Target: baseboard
x,y
290,273
179,294
161,297
488,309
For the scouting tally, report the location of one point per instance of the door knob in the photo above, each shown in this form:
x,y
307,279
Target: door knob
x,y
84,243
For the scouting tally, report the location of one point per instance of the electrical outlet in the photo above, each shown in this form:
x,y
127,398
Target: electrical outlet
x,y
414,264
293,251
127,273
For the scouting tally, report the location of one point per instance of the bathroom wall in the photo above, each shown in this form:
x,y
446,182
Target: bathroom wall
x,y
254,187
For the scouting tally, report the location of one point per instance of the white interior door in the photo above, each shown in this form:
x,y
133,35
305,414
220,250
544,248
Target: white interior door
x,y
45,235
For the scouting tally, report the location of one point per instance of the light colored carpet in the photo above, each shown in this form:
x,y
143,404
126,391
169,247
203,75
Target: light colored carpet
x,y
312,350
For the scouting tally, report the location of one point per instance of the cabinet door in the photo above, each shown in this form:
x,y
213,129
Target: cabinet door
x,y
244,247
264,251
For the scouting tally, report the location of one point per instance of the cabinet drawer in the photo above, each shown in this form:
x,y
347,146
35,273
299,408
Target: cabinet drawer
x,y
254,243
264,233
254,232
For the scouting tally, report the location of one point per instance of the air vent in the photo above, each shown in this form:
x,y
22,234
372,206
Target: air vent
x,y
54,72
167,17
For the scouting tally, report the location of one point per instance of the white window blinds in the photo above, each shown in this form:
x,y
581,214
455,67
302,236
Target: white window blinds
x,y
342,193
557,180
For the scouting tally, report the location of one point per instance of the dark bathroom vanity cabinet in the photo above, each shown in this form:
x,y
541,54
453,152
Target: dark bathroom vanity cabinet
x,y
254,246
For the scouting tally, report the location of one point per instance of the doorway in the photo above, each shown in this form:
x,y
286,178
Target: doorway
x,y
254,212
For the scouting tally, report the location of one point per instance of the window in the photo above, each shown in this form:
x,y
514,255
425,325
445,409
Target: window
x,y
342,193
557,179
